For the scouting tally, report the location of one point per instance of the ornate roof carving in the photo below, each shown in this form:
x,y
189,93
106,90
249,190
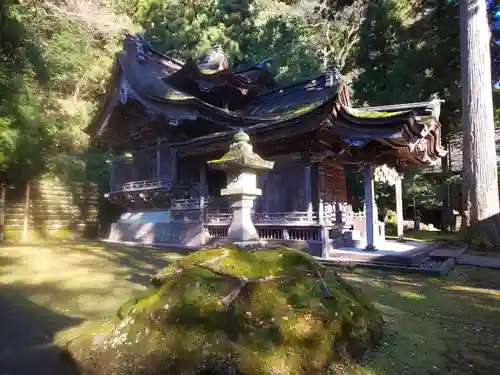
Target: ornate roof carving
x,y
398,135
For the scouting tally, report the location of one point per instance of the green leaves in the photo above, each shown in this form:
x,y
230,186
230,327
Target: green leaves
x,y
51,78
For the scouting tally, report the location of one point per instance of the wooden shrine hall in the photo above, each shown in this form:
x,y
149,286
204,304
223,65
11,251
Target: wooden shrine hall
x,y
163,119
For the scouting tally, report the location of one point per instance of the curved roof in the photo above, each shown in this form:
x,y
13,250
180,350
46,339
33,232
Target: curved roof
x,y
408,134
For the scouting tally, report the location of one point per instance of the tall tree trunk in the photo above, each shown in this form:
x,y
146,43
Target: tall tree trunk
x,y
26,213
447,215
480,182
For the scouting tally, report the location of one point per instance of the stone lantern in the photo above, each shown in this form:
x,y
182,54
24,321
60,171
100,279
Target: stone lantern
x,y
241,166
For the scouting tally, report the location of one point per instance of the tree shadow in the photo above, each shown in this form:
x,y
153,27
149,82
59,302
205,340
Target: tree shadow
x,y
140,263
26,332
40,281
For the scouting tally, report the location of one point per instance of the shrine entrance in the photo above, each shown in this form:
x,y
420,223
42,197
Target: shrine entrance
x,y
332,184
387,175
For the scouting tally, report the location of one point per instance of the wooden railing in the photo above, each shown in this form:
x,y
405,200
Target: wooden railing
x,y
275,232
148,185
285,218
296,218
218,218
294,226
218,231
350,216
189,204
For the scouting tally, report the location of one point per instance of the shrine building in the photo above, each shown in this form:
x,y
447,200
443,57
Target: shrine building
x,y
164,119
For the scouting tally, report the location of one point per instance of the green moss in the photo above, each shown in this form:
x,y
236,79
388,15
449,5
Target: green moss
x,y
187,324
177,95
208,71
228,155
372,114
303,109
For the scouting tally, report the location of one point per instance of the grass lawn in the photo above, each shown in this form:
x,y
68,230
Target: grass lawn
x,y
434,326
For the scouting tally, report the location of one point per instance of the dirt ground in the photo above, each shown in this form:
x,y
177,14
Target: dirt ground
x,y
434,326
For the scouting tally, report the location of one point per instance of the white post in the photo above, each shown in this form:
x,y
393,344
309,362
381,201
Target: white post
x,y
399,208
310,211
370,210
325,243
321,212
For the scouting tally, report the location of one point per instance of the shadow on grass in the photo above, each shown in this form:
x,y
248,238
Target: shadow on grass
x,y
87,279
26,332
49,286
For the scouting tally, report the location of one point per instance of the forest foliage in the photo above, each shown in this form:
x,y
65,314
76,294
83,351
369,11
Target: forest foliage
x,y
56,57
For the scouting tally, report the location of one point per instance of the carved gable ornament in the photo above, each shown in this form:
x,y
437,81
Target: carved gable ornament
x,y
385,174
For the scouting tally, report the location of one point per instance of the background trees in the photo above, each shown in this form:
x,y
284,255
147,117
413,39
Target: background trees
x,y
56,57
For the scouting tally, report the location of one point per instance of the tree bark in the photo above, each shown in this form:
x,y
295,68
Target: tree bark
x,y
480,183
447,216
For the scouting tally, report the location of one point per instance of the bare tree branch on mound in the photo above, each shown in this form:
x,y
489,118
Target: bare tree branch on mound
x,y
480,180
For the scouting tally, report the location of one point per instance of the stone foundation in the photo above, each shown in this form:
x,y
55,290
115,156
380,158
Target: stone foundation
x,y
158,228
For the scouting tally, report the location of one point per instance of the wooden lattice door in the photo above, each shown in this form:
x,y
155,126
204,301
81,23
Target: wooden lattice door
x,y
332,183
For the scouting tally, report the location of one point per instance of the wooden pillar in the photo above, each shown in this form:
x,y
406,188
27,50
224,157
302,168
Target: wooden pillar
x,y
399,208
370,210
133,165
158,158
314,185
26,212
173,163
203,179
307,182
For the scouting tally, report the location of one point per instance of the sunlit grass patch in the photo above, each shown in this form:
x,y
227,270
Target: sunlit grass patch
x,y
430,335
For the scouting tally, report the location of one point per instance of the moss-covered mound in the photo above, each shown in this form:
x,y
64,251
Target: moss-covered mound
x,y
231,312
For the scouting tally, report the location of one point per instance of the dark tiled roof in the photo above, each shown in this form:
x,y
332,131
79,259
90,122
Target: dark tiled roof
x,y
180,91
